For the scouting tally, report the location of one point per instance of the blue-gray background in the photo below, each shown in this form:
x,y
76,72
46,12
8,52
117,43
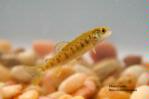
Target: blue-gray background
x,y
23,21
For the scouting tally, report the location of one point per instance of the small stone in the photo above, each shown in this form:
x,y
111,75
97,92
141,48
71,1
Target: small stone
x,y
72,83
10,91
27,57
19,73
5,46
104,50
4,73
30,94
132,60
143,79
43,47
105,93
141,93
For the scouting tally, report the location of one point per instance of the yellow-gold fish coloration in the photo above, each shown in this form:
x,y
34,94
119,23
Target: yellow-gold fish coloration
x,y
75,48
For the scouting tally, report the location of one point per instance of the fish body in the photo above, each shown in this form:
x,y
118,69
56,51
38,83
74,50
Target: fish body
x,y
74,49
77,47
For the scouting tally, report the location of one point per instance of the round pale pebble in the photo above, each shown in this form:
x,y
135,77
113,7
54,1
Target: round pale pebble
x,y
105,93
43,47
132,60
107,67
4,73
129,82
104,50
56,95
143,79
30,94
27,57
5,46
77,97
19,73
44,97
141,93
73,83
65,97
88,90
33,87
135,70
10,91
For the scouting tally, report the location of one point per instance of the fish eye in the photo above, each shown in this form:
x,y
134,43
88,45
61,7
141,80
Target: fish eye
x,y
103,30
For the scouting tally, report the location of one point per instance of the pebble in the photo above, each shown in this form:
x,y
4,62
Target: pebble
x,y
27,57
73,83
106,68
143,79
30,94
9,60
5,46
88,90
10,91
141,93
65,97
105,93
43,47
19,73
56,94
55,76
5,73
132,60
104,50
135,70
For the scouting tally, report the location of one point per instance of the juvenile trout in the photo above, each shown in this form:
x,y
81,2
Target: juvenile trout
x,y
75,48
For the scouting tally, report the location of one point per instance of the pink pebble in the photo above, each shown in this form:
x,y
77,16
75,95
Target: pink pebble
x,y
43,47
102,51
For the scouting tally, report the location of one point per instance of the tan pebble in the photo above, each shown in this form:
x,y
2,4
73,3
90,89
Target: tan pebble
x,y
65,97
30,94
5,46
19,73
9,60
141,93
132,60
56,95
105,93
143,79
33,87
4,73
77,97
130,76
27,57
88,90
73,83
52,79
128,81
44,97
135,70
109,81
83,69
11,91
106,68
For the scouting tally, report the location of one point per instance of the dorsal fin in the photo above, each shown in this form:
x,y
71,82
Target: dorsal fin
x,y
60,45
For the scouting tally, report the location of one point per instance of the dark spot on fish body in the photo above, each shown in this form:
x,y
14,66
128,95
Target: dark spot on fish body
x,y
82,44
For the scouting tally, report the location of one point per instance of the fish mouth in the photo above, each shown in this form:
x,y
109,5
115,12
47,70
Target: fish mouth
x,y
107,34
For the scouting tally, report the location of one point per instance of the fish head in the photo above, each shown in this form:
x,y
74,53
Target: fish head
x,y
101,33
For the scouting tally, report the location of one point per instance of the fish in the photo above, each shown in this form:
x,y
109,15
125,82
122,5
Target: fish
x,y
73,49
